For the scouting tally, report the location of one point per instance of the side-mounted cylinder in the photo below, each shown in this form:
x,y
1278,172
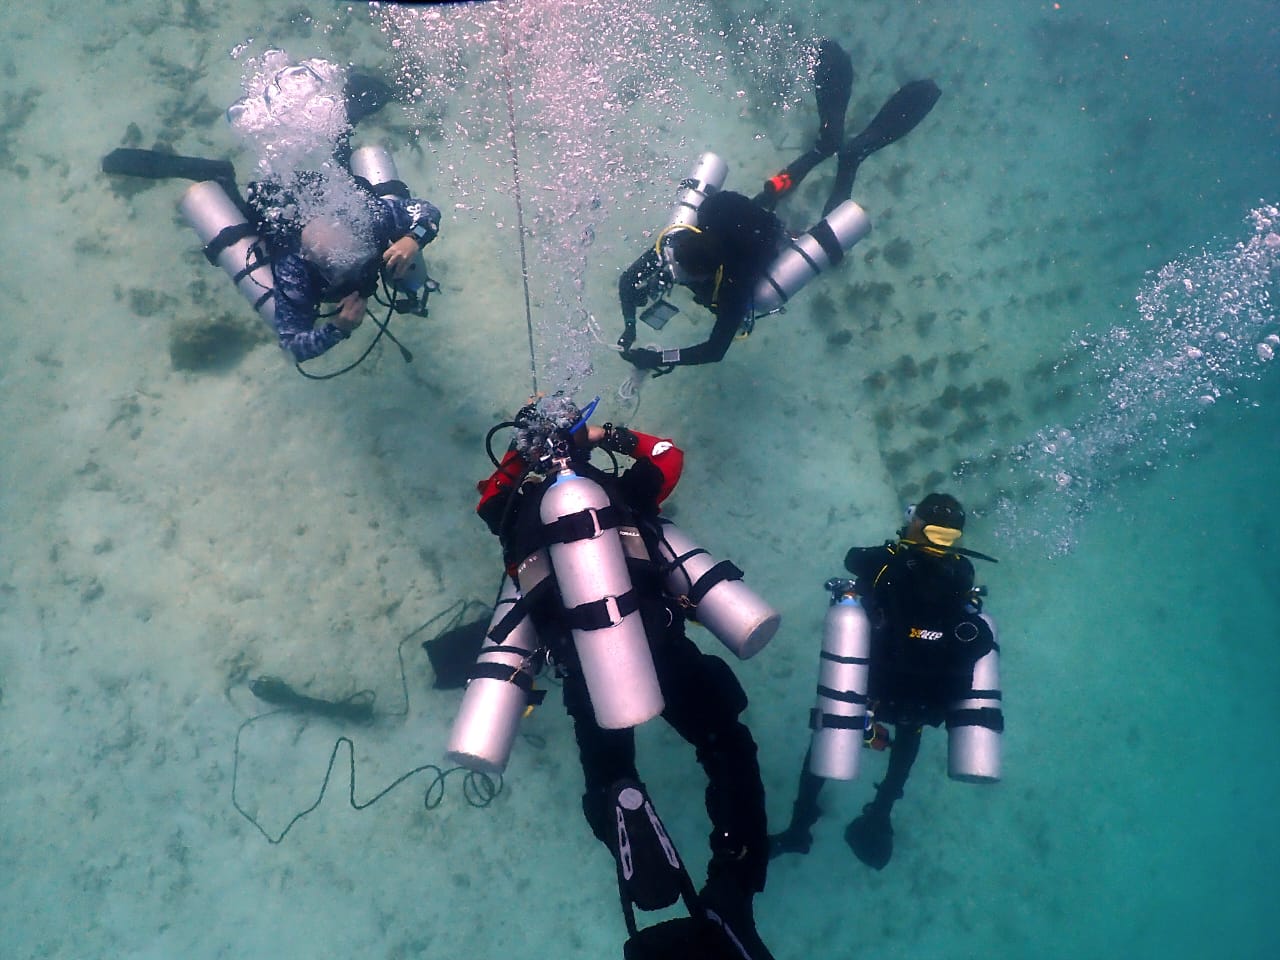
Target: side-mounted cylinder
x,y
733,612
230,242
810,254
975,721
708,176
839,716
376,165
499,691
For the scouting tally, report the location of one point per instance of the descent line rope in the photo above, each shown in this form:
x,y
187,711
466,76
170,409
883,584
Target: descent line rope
x,y
515,176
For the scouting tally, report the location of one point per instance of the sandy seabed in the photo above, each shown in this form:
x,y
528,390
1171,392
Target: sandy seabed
x,y
170,534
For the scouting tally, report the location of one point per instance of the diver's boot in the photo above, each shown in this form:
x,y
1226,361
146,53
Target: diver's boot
x,y
870,836
794,839
797,838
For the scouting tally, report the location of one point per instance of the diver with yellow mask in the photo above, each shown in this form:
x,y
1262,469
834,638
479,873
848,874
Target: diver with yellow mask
x,y
906,644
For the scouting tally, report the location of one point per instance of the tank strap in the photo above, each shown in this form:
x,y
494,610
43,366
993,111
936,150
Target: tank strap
x,y
605,612
520,677
722,571
828,241
830,721
837,658
844,696
533,575
992,718
388,188
583,525
225,238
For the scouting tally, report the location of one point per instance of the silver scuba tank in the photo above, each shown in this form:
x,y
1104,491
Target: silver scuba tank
x,y
975,722
375,164
497,694
733,612
809,254
594,584
839,716
708,177
231,244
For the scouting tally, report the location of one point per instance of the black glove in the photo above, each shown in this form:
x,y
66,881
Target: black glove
x,y
643,359
619,440
628,336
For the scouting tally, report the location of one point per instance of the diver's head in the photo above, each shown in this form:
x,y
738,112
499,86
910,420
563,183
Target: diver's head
x,y
548,429
938,519
692,254
341,255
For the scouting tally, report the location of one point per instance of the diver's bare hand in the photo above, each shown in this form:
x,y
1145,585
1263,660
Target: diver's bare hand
x,y
399,256
350,312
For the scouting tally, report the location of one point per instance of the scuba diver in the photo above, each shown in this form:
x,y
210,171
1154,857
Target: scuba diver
x,y
905,644
585,548
733,253
311,238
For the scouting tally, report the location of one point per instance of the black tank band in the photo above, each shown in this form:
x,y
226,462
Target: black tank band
x,y
392,188
523,680
501,671
605,612
225,238
828,241
583,525
830,721
836,658
722,571
843,696
992,718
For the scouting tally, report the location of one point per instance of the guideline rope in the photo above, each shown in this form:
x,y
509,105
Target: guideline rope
x,y
515,177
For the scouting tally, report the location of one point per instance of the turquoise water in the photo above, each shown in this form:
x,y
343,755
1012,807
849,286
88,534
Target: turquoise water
x,y
172,531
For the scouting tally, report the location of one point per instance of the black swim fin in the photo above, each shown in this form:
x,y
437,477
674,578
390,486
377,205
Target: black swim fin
x,y
898,117
158,165
365,95
832,85
870,837
650,874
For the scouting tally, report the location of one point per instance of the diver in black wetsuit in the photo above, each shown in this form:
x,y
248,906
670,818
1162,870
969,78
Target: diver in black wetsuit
x,y
922,579
703,698
736,238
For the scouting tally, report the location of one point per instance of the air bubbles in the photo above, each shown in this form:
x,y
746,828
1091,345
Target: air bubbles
x,y
1198,334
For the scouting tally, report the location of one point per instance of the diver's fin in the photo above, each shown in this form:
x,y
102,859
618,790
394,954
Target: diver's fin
x,y
158,165
650,873
898,117
453,653
365,95
832,85
870,837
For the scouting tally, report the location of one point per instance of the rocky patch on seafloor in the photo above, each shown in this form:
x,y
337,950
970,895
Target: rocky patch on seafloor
x,y
205,344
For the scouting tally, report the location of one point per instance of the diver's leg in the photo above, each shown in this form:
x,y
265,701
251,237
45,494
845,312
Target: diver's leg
x,y
870,836
833,83
898,117
805,811
607,756
704,700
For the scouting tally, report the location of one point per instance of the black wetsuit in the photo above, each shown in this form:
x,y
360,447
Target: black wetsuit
x,y
915,596
703,697
749,237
